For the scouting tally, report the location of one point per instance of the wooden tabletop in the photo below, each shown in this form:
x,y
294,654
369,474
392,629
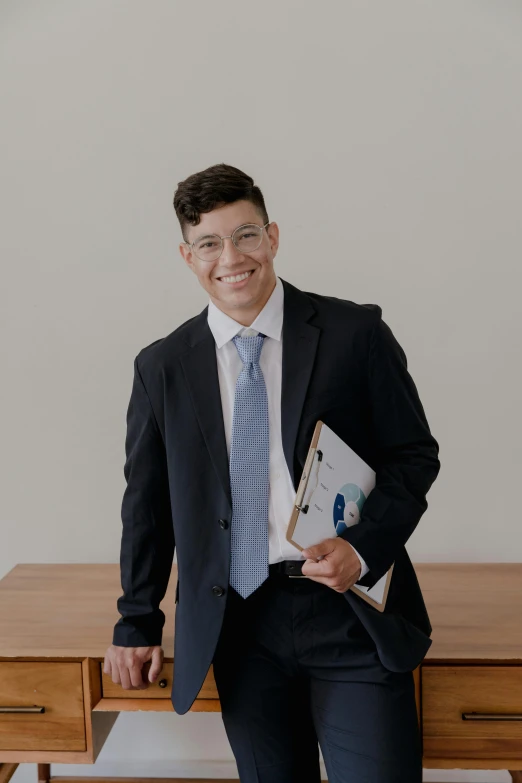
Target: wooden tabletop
x,y
67,611
475,610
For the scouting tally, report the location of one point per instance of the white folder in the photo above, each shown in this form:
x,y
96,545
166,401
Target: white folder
x,y
330,497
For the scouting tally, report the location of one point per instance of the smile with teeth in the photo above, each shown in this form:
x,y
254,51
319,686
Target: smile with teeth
x,y
236,278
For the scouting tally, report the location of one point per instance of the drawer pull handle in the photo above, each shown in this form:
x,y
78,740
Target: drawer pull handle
x,y
162,683
491,716
22,709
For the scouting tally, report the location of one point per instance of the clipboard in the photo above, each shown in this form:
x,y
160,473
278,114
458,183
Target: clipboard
x,y
334,486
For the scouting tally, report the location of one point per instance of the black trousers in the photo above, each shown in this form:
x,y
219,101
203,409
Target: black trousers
x,y
296,670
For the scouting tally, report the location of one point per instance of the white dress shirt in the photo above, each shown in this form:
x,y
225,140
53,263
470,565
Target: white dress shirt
x,y
269,322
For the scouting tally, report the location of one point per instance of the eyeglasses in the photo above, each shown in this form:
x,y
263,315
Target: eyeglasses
x,y
246,238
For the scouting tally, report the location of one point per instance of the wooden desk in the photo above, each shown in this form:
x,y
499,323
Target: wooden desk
x,y
56,622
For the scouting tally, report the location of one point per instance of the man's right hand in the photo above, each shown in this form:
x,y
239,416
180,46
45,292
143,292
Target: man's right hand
x,y
125,665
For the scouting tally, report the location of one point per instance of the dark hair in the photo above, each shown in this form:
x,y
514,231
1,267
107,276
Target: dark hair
x,y
214,187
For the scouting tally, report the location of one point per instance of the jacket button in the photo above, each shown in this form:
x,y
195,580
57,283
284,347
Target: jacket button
x,y
223,523
217,590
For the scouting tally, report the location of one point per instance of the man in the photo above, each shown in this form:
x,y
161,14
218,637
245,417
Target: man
x,y
219,424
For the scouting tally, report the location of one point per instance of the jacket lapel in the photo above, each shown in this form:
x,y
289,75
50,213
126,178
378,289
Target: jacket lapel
x,y
300,340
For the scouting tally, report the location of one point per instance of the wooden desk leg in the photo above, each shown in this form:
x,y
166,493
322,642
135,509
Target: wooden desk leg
x,y
44,773
7,771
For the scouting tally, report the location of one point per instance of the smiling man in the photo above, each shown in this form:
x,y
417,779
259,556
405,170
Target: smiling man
x,y
220,419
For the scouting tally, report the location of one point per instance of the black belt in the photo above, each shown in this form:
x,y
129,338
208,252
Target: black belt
x,y
287,568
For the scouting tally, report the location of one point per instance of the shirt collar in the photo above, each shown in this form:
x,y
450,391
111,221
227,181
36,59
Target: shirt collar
x,y
269,321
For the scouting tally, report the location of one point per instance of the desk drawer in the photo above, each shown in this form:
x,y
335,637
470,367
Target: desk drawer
x,y
55,687
161,689
472,711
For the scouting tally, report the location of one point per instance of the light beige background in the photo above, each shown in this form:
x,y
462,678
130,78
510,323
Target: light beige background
x,y
386,139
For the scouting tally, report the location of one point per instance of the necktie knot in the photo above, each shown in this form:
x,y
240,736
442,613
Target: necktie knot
x,y
249,348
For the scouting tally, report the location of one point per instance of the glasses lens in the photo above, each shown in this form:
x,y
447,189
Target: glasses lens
x,y
208,247
247,238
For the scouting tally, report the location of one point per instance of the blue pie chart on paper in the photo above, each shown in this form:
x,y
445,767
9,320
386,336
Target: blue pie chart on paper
x,y
347,507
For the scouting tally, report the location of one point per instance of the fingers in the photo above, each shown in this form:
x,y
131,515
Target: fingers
x,y
322,568
124,674
318,572
125,664
157,663
325,547
330,582
328,572
107,668
135,673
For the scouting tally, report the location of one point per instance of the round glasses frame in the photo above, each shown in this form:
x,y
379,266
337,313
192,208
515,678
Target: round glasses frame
x,y
228,236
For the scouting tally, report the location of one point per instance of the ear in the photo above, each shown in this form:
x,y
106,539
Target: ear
x,y
273,237
186,254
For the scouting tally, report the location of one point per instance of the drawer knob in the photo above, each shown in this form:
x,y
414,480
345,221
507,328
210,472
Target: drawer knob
x,y
162,683
22,709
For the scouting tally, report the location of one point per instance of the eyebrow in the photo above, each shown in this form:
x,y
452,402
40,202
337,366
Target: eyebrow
x,y
204,236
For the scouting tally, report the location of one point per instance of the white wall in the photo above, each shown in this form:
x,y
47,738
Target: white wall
x,y
386,139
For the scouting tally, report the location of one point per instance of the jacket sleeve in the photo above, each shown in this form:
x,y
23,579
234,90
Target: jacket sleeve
x,y
408,461
147,542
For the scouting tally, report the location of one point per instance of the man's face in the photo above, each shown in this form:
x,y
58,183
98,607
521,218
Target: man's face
x,y
244,300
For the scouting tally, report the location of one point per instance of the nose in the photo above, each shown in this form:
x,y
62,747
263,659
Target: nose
x,y
230,254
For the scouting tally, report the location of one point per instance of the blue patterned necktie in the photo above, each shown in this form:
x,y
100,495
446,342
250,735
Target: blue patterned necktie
x,y
249,471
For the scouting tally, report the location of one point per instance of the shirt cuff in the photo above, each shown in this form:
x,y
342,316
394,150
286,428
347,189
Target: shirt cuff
x,y
364,567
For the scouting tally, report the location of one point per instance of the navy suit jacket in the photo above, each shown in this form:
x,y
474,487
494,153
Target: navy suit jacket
x,y
340,363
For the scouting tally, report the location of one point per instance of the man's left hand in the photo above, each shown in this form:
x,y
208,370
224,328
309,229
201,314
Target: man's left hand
x,y
339,567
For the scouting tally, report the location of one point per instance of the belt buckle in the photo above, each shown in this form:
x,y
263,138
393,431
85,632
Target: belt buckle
x,y
297,576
